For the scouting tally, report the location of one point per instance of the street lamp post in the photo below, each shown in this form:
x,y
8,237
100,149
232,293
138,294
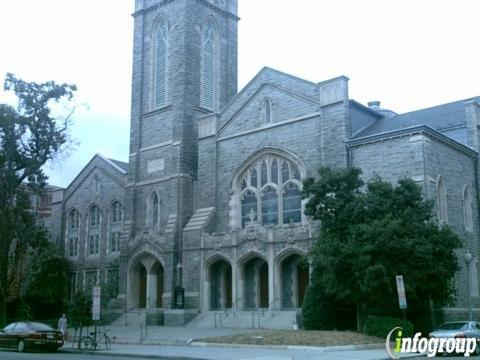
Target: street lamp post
x,y
468,259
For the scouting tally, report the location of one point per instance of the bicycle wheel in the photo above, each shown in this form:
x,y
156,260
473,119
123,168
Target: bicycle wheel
x,y
86,344
108,343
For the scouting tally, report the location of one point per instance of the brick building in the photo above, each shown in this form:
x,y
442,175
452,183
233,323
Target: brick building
x,y
210,199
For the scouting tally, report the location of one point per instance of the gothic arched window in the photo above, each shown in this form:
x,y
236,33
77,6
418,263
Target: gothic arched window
x,y
270,191
267,111
442,201
116,220
467,209
73,233
153,211
161,65
208,67
269,206
249,207
93,243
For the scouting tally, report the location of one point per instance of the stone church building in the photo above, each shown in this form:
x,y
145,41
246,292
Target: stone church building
x,y
209,201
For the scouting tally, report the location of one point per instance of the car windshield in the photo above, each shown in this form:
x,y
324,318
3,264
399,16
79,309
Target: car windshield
x,y
9,327
454,326
40,327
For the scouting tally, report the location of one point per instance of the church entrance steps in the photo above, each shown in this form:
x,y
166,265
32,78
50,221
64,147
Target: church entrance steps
x,y
134,318
259,319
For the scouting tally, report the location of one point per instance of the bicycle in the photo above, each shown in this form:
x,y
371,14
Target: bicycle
x,y
92,341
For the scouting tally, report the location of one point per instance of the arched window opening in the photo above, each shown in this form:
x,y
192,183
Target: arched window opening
x,y
285,172
153,211
264,174
249,207
274,172
93,244
116,221
161,72
467,209
253,178
73,233
442,201
270,192
292,204
269,206
208,71
267,111
156,210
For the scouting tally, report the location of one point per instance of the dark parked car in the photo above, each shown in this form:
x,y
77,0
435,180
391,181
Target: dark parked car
x,y
25,335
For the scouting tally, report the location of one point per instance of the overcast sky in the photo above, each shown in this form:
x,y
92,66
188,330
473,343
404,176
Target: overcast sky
x,y
409,54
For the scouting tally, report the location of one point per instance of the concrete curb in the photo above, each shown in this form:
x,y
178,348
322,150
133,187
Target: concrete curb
x,y
291,347
110,353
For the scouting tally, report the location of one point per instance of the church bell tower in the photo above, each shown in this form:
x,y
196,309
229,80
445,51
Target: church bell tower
x,y
184,66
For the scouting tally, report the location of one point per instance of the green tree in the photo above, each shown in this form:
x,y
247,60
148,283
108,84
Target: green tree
x,y
372,233
47,280
80,311
29,137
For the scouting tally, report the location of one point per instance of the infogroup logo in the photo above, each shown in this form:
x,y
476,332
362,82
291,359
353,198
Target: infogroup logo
x,y
431,347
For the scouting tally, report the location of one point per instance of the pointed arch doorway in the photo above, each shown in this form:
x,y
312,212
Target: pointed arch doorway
x,y
146,283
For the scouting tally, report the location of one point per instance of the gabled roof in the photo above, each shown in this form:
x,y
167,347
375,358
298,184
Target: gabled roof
x,y
119,166
275,78
441,117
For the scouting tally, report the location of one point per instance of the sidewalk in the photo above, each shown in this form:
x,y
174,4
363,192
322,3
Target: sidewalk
x,y
239,353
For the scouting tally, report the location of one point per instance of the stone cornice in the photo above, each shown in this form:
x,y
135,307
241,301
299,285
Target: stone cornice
x,y
204,2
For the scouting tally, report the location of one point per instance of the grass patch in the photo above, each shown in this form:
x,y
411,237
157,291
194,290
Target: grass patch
x,y
300,338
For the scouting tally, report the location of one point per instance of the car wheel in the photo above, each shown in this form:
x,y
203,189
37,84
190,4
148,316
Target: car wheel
x,y
21,346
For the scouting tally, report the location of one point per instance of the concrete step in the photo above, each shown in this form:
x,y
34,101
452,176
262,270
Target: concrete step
x,y
245,320
132,318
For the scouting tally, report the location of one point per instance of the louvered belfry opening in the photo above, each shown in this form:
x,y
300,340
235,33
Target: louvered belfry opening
x,y
161,66
208,71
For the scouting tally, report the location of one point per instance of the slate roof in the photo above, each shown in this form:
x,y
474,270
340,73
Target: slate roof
x,y
441,117
120,164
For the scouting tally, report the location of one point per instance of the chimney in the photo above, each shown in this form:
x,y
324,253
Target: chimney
x,y
374,105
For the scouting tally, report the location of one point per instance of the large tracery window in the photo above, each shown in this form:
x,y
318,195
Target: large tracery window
x,y
73,233
161,65
208,67
270,192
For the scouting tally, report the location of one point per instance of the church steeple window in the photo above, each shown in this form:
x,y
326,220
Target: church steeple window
x,y
161,46
208,67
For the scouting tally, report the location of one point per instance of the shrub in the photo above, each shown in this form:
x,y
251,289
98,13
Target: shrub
x,y
317,312
381,326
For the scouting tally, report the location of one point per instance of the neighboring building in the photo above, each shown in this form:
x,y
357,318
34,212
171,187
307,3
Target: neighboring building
x,y
41,203
210,199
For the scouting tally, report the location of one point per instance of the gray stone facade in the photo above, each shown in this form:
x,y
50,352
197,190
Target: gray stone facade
x,y
210,197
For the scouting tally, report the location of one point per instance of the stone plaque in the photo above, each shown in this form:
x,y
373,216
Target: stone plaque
x,y
155,165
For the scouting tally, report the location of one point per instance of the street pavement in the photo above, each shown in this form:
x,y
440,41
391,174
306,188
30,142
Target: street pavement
x,y
212,353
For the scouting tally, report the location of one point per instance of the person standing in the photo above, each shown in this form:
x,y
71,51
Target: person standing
x,y
62,326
